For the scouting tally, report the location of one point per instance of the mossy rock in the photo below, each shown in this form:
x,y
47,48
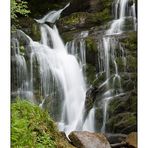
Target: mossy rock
x,y
121,64
74,18
98,118
128,24
91,51
129,81
129,41
122,123
131,63
99,18
90,73
69,35
32,127
79,20
127,103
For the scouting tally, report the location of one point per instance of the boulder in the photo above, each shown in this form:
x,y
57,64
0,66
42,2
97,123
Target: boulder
x,y
132,140
84,139
115,138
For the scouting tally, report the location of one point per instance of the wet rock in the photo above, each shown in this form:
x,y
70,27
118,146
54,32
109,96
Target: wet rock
x,y
115,138
125,122
90,98
88,140
132,140
91,51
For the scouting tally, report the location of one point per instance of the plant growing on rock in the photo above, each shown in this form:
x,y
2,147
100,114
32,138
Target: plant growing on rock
x,y
18,7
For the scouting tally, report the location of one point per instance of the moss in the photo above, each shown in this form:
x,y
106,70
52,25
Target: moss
x,y
131,63
128,24
35,32
98,118
121,122
91,44
90,73
32,127
99,17
120,63
69,36
99,80
85,19
22,49
130,42
74,18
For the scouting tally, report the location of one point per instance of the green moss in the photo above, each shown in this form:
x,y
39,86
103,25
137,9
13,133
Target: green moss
x,y
130,42
131,63
91,44
85,19
69,36
128,24
100,79
35,32
32,127
121,122
90,73
99,17
74,18
22,49
120,63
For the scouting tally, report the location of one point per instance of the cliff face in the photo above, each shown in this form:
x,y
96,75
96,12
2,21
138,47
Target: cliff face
x,y
95,17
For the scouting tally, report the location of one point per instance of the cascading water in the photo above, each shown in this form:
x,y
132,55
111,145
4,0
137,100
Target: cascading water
x,y
78,48
89,123
110,43
59,69
19,67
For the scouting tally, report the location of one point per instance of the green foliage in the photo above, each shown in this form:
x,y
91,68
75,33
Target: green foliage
x,y
33,128
18,7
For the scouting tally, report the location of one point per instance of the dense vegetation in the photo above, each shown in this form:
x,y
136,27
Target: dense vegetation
x,y
32,127
18,8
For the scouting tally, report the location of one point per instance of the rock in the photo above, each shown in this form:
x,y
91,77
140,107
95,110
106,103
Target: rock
x,y
115,138
64,136
88,140
132,139
125,122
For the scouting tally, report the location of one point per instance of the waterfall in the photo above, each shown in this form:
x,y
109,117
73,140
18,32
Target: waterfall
x,y
48,72
20,85
110,43
56,68
52,16
77,47
89,124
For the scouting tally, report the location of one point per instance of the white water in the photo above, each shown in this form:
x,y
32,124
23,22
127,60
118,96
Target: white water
x,y
55,63
20,68
110,44
77,48
89,124
52,16
133,11
66,72
57,68
62,66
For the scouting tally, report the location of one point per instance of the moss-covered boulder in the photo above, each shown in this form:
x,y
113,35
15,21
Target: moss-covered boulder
x,y
122,123
32,127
